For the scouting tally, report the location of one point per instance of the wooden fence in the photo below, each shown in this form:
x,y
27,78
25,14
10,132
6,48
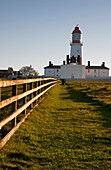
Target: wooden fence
x,y
17,100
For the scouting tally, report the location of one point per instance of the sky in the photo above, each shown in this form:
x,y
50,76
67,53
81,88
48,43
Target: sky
x,y
34,32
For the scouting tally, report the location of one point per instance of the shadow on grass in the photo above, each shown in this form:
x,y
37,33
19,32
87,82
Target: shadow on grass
x,y
9,167
18,160
80,96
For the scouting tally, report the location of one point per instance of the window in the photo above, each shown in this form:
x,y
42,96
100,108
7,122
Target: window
x,y
57,70
94,71
88,71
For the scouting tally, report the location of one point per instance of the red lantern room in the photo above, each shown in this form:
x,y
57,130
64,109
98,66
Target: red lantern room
x,y
76,35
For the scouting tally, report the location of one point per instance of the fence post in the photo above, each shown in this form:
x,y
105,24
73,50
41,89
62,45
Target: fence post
x,y
14,104
40,90
0,94
25,98
0,113
31,95
35,91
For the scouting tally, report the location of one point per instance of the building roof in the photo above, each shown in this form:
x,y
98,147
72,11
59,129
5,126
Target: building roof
x,y
53,67
3,71
97,67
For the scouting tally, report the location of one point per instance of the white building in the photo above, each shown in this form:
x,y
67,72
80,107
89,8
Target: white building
x,y
72,68
97,71
71,71
52,70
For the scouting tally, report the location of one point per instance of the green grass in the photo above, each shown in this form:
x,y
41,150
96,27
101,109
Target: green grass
x,y
70,130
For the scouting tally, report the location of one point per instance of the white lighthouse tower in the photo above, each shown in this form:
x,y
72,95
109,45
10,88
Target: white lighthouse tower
x,y
73,68
76,47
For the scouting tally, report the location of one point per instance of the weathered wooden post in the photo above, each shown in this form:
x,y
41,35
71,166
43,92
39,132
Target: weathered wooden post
x,y
36,84
31,95
63,81
0,113
25,98
14,104
39,91
0,94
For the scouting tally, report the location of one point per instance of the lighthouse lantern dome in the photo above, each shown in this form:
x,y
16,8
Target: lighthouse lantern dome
x,y
76,30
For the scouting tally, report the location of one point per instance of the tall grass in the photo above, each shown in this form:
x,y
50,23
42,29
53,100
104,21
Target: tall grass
x,y
71,129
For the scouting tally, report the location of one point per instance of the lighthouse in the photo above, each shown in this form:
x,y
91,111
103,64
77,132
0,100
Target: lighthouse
x,y
73,67
76,47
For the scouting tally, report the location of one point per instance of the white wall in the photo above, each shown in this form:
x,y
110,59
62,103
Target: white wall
x,y
71,71
97,73
52,72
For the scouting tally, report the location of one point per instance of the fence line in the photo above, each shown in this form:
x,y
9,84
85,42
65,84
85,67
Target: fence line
x,y
19,105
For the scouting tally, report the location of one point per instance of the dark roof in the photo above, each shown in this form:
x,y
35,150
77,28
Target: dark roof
x,y
3,71
97,67
53,66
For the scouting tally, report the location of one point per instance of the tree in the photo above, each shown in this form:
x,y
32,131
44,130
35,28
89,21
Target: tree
x,y
28,71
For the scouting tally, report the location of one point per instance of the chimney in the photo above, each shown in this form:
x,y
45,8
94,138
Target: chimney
x,y
67,58
103,64
88,63
63,62
79,60
72,59
50,63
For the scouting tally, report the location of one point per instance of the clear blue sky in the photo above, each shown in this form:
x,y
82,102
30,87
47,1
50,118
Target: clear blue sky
x,y
33,32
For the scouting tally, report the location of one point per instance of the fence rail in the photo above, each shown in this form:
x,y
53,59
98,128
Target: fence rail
x,y
17,100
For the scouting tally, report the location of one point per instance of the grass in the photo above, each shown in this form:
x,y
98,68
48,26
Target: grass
x,y
70,130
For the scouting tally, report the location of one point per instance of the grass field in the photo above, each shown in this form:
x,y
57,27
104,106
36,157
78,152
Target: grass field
x,y
70,130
